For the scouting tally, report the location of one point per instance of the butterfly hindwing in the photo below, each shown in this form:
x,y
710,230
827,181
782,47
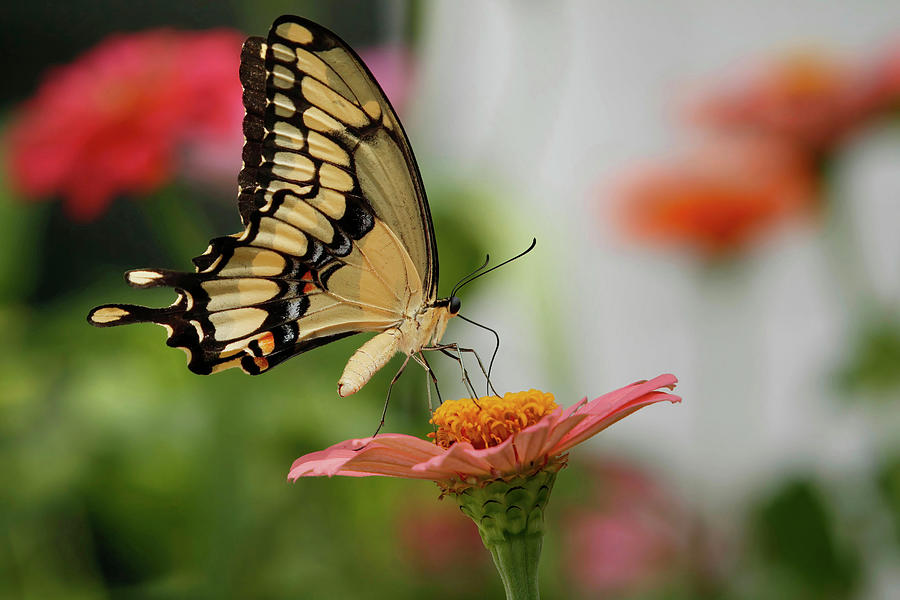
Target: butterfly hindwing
x,y
252,308
338,236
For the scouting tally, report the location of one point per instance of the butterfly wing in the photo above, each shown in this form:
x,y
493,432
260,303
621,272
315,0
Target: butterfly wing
x,y
338,237
330,93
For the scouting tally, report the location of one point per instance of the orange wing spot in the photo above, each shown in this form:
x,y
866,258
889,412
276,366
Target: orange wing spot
x,y
309,287
307,276
261,362
267,343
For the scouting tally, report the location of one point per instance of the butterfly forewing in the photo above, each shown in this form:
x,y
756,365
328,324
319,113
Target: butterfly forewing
x,y
338,236
325,121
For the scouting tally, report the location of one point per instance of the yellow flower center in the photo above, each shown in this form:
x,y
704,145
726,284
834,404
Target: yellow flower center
x,y
490,419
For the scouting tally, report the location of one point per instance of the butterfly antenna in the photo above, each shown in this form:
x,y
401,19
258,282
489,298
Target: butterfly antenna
x,y
478,274
462,281
496,347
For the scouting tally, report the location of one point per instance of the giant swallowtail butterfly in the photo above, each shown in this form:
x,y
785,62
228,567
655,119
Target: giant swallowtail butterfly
x,y
338,236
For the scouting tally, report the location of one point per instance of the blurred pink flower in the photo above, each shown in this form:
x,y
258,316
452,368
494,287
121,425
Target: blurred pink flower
x,y
615,552
439,538
113,121
515,435
718,198
393,68
808,98
631,541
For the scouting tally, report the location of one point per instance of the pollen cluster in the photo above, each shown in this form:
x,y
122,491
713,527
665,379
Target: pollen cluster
x,y
490,419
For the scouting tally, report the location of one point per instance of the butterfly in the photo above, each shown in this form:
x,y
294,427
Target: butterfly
x,y
337,238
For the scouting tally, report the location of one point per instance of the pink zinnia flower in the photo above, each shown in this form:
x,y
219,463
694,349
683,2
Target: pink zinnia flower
x,y
481,440
498,457
113,122
718,198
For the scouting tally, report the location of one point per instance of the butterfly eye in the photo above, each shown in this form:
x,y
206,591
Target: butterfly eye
x,y
454,305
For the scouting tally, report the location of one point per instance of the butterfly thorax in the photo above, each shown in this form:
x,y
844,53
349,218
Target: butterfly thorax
x,y
425,329
411,335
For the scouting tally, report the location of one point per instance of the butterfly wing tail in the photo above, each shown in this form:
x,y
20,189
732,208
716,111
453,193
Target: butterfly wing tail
x,y
180,331
110,315
249,321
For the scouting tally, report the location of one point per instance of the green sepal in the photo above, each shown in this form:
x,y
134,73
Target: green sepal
x,y
505,508
509,514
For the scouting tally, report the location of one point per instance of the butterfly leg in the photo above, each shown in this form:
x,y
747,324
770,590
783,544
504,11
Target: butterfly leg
x,y
420,358
428,381
431,377
445,348
387,400
487,377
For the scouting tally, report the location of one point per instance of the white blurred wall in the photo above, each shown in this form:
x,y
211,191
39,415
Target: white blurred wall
x,y
542,102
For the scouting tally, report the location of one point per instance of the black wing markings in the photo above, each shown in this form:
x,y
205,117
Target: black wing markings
x,y
274,338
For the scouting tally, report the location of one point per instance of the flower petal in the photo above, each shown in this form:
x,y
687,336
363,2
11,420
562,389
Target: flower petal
x,y
398,455
504,457
460,459
524,448
514,454
563,426
577,407
607,403
391,455
609,408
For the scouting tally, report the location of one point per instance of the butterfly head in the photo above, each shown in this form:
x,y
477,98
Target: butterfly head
x,y
451,304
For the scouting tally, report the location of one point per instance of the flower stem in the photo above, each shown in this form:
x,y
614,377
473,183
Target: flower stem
x,y
510,518
517,562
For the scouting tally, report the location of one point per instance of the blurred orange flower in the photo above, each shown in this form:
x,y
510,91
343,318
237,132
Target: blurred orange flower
x,y
113,121
883,84
718,198
807,98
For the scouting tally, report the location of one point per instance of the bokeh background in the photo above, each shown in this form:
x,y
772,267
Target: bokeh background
x,y
715,189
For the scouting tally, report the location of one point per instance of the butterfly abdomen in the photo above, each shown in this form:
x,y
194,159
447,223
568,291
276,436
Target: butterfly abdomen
x,y
366,361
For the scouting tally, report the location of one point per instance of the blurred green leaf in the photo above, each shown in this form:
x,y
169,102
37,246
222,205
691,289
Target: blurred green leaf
x,y
20,243
461,232
889,485
874,364
794,535
176,484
